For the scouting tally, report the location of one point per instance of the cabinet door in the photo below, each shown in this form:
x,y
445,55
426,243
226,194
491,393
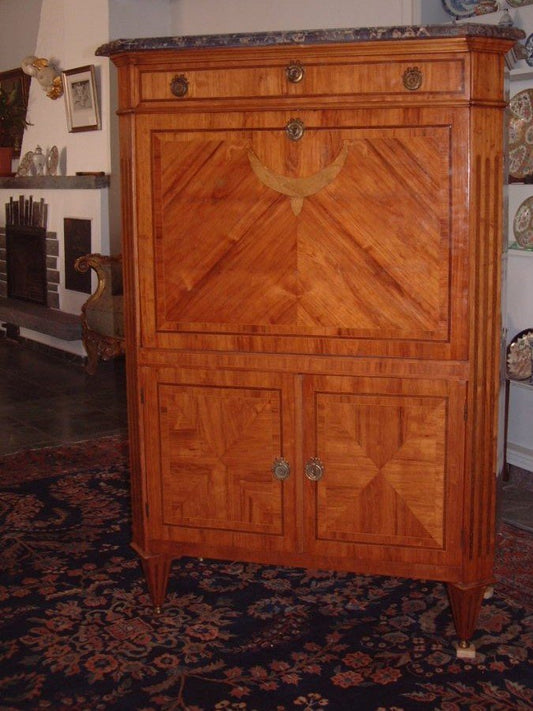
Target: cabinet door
x,y
391,452
338,243
211,441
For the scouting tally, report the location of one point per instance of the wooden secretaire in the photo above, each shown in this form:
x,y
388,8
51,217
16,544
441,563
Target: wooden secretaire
x,y
312,248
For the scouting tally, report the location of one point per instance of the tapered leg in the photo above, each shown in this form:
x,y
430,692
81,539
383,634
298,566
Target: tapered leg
x,y
465,601
156,570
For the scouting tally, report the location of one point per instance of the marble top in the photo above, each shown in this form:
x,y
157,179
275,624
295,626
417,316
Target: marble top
x,y
310,37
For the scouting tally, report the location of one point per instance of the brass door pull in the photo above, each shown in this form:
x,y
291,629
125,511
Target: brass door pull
x,y
179,85
295,129
281,469
314,469
295,72
412,78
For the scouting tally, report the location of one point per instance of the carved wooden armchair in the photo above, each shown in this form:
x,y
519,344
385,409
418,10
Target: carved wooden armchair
x,y
102,315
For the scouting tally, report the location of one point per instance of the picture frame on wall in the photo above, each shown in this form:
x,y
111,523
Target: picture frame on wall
x,y
15,81
81,99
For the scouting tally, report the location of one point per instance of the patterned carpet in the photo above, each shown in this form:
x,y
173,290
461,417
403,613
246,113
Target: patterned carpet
x,y
77,630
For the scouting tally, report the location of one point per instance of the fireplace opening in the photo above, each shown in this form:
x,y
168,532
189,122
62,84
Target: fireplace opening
x,y
26,263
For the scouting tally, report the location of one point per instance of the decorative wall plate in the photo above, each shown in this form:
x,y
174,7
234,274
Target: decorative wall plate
x,y
469,8
523,224
521,134
52,159
519,3
520,355
528,47
26,165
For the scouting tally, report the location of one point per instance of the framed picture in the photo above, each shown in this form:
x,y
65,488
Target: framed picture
x,y
81,99
16,80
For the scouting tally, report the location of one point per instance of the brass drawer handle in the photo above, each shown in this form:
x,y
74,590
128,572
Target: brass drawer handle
x,y
314,469
295,129
295,72
281,469
179,86
412,78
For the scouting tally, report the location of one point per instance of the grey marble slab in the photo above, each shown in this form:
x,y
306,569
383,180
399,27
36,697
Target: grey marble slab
x,y
310,37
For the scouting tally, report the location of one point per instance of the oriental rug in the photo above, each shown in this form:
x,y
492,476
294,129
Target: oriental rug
x,y
77,630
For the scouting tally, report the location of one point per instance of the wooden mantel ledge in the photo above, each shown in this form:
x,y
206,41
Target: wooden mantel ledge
x,y
56,182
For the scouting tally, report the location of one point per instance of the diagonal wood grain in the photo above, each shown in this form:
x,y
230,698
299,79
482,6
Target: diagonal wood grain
x,y
385,467
363,266
219,446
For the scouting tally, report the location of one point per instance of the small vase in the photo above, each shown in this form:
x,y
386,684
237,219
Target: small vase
x,y
38,161
6,156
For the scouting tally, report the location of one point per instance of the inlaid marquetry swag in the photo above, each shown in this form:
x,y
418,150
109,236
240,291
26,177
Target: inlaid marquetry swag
x,y
298,188
311,256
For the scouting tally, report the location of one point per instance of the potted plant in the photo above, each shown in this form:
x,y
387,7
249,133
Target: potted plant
x,y
12,125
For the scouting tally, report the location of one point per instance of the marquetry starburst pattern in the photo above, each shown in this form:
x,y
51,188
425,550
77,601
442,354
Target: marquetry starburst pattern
x,y
218,447
385,468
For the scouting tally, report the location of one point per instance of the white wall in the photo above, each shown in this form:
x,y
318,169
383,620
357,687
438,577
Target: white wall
x,y
140,18
19,24
88,151
219,16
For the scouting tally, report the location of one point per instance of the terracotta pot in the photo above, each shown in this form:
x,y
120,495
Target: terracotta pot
x,y
6,156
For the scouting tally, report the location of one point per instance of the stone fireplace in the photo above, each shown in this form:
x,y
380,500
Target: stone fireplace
x,y
39,214
29,269
26,263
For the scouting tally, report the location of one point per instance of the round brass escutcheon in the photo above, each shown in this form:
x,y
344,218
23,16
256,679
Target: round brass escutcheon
x,y
295,72
314,469
281,469
179,85
412,78
295,129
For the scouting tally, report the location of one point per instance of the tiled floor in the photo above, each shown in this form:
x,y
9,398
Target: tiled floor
x,y
45,400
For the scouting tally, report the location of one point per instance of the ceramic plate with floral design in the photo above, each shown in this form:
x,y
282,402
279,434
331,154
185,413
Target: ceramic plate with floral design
x,y
519,3
519,356
521,134
523,224
469,8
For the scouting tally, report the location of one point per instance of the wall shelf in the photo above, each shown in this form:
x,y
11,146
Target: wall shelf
x,y
56,182
520,252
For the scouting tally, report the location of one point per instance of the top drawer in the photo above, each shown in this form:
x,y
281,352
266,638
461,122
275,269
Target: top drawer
x,y
371,80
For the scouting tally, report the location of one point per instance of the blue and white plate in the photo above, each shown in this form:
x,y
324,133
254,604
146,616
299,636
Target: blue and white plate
x,y
469,8
529,50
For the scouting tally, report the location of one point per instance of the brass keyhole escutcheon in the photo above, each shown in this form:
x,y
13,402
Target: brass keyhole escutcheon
x,y
314,469
281,469
412,78
179,85
295,72
295,129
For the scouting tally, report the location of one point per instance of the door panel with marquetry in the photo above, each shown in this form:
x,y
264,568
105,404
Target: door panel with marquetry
x,y
342,235
390,452
219,435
